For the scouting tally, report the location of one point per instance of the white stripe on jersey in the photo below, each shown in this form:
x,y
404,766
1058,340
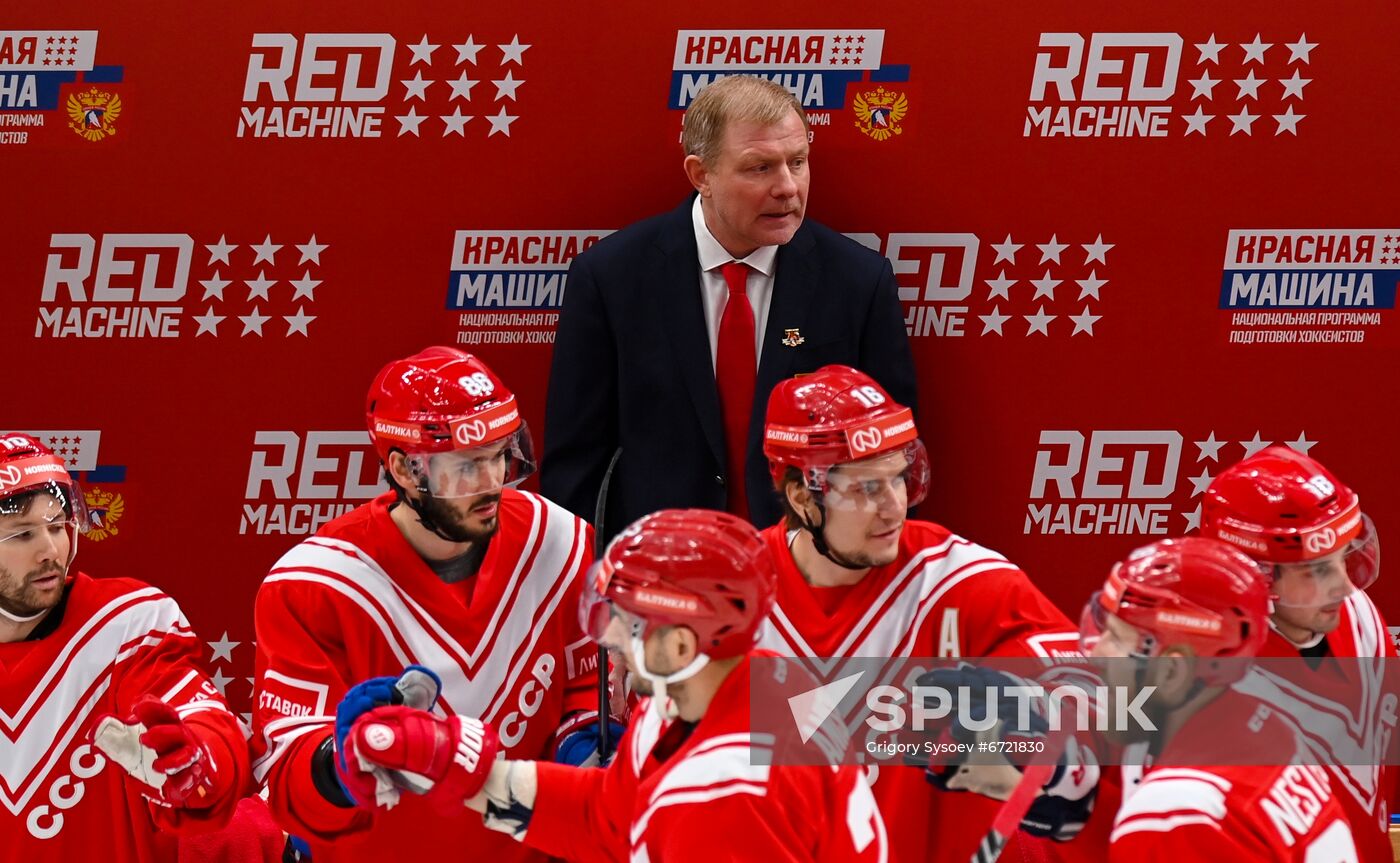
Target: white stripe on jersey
x,y
1171,798
73,683
717,768
473,683
1160,825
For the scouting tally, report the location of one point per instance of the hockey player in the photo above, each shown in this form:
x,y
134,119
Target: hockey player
x,y
452,569
112,659
1306,530
1206,605
679,596
856,578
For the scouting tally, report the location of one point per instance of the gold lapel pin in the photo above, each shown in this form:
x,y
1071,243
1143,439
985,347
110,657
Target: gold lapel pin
x,y
792,337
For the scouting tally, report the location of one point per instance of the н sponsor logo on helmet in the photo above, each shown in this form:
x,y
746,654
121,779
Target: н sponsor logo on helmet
x,y
1320,540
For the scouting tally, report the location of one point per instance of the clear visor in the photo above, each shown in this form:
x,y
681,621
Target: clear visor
x,y
477,471
1103,636
1327,581
600,619
894,480
49,519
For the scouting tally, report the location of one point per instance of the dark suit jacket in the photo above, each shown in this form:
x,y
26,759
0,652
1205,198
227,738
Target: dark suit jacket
x,y
632,368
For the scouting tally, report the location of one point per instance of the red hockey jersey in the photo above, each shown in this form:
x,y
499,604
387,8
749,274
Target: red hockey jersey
x,y
115,639
943,596
356,601
1280,813
677,793
1337,706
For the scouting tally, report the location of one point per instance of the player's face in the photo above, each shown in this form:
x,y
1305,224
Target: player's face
x,y
1117,642
34,551
866,505
622,627
1310,595
465,491
757,186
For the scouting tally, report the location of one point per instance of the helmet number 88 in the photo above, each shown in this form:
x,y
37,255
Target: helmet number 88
x,y
477,384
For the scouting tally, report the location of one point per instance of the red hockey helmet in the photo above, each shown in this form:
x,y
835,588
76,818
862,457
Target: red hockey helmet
x,y
28,467
1191,591
442,407
706,570
839,416
1282,507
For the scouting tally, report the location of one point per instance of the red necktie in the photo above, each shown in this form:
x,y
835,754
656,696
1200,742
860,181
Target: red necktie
x,y
735,370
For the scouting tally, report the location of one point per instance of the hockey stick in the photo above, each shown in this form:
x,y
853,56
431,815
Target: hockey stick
x,y
600,509
1008,818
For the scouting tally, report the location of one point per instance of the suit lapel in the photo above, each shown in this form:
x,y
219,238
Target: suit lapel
x,y
794,286
682,314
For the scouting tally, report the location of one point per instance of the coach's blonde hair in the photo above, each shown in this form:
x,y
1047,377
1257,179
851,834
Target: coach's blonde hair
x,y
735,98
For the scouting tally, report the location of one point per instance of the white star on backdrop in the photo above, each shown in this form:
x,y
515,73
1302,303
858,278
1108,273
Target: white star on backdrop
x,y
1302,444
1051,251
462,88
1084,322
467,51
265,251
1251,83
1090,286
1243,121
456,123
410,122
417,88
259,287
500,122
1039,322
1197,122
422,52
1204,86
1294,84
506,87
992,323
1006,250
1210,448
1254,444
1254,51
1300,50
220,250
514,52
1199,484
304,286
1096,251
223,648
220,680
1210,47
311,251
214,287
1000,286
1193,519
297,323
1045,286
1288,121
253,323
208,322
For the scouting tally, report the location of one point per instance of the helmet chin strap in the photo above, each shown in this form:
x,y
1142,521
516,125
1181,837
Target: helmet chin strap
x,y
15,618
664,705
818,534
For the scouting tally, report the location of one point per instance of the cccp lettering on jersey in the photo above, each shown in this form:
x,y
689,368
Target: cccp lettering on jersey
x,y
45,821
513,727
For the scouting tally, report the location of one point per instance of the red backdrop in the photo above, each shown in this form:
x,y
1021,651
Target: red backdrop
x,y
1134,243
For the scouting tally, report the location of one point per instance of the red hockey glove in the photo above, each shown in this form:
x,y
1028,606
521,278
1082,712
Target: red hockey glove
x,y
446,760
160,750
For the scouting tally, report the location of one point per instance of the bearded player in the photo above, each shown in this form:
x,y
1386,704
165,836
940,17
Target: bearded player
x,y
453,570
91,671
1305,529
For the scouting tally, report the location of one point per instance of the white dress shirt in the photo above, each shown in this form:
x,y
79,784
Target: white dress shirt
x,y
714,292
